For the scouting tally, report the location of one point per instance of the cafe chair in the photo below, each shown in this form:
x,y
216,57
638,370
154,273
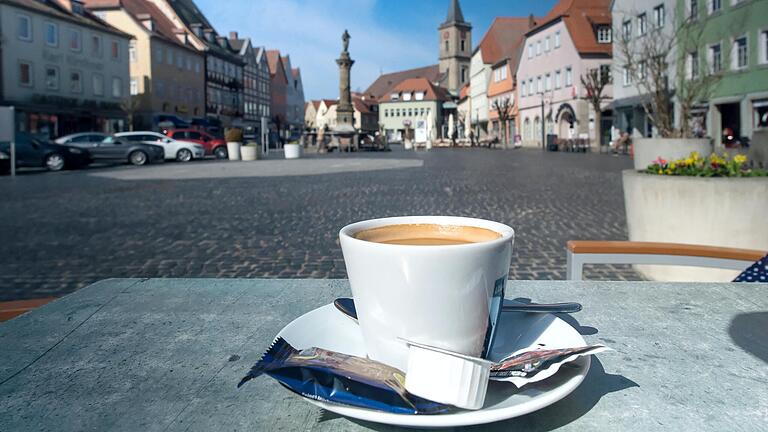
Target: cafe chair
x,y
580,252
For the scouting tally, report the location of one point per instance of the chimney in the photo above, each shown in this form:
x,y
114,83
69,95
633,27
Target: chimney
x,y
233,35
146,21
531,21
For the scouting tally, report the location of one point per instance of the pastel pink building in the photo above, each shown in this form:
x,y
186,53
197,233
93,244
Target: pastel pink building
x,y
573,38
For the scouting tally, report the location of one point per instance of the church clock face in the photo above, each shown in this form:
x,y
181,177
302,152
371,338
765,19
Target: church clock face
x,y
446,35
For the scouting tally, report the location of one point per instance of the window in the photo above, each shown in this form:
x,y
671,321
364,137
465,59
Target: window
x,y
546,44
463,44
604,34
98,85
169,57
96,45
605,72
407,96
504,72
760,109
693,7
197,67
132,51
568,76
446,46
557,39
522,89
159,88
24,30
463,75
539,84
394,96
52,77
764,46
75,40
558,79
76,82
659,16
642,24
159,55
548,82
134,86
715,5
530,50
497,75
538,48
51,34
180,62
715,58
642,71
531,89
189,63
627,76
693,65
626,29
115,50
740,53
25,74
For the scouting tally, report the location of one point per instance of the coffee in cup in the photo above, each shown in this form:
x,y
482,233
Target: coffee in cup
x,y
435,280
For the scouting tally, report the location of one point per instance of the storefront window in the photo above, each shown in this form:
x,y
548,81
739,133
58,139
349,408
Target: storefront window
x,y
760,109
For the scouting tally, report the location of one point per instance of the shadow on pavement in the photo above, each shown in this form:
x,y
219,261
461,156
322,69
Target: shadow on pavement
x,y
750,332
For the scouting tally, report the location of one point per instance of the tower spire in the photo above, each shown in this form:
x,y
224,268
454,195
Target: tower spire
x,y
454,13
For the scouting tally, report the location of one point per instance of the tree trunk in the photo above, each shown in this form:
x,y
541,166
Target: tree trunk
x,y
598,128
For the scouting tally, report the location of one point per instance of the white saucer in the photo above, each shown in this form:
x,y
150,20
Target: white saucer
x,y
328,328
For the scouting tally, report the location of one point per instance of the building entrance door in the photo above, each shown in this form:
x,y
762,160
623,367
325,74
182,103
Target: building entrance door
x,y
730,124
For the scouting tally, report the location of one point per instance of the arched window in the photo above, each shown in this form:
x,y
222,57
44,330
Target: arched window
x,y
527,128
536,127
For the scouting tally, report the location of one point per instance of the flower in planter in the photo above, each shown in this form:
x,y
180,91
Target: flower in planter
x,y
712,166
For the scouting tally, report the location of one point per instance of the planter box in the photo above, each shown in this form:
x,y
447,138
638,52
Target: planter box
x,y
233,150
292,151
647,150
249,153
727,212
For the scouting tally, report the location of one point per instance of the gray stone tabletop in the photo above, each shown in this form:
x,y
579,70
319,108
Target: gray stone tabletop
x,y
166,355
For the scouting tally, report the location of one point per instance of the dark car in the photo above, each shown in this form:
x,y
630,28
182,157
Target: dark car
x,y
36,153
113,149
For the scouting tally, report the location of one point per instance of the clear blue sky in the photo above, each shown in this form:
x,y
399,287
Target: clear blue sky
x,y
387,35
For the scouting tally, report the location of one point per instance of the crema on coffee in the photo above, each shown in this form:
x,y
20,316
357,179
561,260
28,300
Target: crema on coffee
x,y
427,234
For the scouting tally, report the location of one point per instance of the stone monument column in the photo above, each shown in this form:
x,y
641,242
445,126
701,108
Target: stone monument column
x,y
345,113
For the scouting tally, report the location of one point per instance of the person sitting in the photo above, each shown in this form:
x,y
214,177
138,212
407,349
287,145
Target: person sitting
x,y
621,144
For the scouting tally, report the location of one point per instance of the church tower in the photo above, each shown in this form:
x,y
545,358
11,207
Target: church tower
x,y
455,49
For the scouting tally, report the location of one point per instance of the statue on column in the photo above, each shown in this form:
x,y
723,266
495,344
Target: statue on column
x,y
345,40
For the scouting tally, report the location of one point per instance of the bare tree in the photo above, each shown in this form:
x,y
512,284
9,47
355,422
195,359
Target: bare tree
x,y
130,107
595,81
503,107
646,61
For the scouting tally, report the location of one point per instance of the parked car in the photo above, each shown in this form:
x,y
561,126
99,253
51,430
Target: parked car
x,y
169,121
114,149
37,153
84,137
181,151
213,146
212,126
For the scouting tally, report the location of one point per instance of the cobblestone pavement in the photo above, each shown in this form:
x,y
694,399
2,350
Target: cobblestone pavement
x,y
63,231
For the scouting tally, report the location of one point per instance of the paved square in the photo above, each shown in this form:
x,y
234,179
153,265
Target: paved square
x,y
280,219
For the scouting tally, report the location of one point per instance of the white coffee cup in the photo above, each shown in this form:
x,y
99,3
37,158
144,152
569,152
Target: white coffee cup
x,y
446,296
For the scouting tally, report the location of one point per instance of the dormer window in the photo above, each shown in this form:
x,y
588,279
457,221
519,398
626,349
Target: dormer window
x,y
604,34
77,7
407,96
419,95
395,96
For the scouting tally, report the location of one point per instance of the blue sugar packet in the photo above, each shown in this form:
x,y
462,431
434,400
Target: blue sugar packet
x,y
334,377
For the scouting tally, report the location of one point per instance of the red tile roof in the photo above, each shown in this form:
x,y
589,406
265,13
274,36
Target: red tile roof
x,y
431,91
385,82
330,102
164,28
503,40
580,16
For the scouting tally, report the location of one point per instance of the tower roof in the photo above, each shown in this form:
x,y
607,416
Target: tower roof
x,y
454,14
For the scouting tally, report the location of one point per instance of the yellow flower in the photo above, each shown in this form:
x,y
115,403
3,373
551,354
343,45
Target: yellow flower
x,y
695,155
668,171
740,159
689,161
672,165
661,172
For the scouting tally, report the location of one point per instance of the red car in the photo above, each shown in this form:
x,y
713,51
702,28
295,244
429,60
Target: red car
x,y
213,146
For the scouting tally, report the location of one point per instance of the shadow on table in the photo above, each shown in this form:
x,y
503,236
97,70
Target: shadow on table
x,y
750,332
596,384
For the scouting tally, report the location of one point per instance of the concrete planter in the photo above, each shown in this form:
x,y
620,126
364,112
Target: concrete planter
x,y
249,152
648,150
727,212
292,151
233,150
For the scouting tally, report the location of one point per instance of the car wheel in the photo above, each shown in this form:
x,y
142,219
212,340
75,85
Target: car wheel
x,y
54,162
137,157
221,153
184,155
